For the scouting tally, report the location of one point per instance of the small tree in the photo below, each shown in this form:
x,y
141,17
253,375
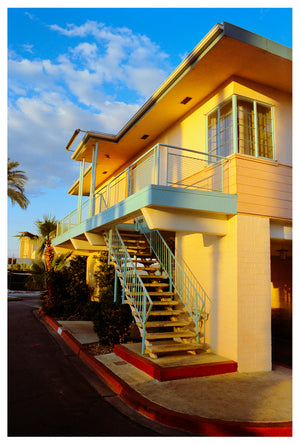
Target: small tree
x,y
46,229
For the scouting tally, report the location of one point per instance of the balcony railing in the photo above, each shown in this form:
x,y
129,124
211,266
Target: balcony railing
x,y
162,165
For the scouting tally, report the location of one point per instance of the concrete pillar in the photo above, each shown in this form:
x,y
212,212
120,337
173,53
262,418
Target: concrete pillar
x,y
91,266
254,293
80,192
93,180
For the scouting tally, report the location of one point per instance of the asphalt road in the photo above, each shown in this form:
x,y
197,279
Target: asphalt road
x,y
51,392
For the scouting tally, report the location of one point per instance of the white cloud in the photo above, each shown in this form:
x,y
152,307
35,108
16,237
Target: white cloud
x,y
87,87
27,48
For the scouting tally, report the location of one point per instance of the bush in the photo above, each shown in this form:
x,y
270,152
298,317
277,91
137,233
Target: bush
x,y
68,289
111,319
71,299
111,323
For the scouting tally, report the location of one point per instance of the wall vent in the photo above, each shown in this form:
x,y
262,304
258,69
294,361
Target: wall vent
x,y
186,100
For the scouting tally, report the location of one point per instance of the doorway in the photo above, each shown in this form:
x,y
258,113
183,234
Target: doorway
x,y
281,301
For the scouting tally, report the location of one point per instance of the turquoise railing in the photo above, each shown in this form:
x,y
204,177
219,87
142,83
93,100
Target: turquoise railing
x,y
181,278
163,164
131,280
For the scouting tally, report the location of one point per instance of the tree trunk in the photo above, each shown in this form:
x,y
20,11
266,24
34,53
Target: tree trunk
x,y
49,255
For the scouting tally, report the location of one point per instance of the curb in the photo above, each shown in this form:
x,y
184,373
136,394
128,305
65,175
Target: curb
x,y
172,373
186,422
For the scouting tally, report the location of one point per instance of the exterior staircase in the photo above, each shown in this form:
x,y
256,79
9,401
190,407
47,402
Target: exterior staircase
x,y
167,327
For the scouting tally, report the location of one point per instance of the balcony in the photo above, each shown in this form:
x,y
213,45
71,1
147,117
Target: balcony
x,y
165,175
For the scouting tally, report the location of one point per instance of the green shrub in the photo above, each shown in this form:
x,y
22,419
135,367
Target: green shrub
x,y
111,323
105,278
69,290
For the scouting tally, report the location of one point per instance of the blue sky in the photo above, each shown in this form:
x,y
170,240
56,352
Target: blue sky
x,y
92,68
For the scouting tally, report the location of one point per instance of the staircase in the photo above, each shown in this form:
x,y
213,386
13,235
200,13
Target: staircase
x,y
163,320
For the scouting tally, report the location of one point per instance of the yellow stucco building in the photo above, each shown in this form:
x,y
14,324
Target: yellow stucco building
x,y
204,166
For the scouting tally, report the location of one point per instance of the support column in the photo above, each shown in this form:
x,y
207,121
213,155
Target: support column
x,y
80,192
254,294
93,179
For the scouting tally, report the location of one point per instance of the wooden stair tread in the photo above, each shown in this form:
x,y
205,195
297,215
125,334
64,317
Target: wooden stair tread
x,y
156,313
156,277
168,302
151,284
166,312
164,324
179,334
173,347
147,261
155,294
165,303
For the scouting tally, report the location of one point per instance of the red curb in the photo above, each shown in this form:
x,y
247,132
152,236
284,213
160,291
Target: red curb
x,y
185,422
51,322
72,342
172,373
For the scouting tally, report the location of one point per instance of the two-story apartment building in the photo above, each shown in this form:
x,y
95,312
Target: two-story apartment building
x,y
193,200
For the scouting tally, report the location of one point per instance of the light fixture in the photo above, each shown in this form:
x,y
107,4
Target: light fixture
x,y
186,100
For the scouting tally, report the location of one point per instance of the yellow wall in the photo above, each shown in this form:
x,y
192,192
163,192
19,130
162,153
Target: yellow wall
x,y
234,270
190,132
28,248
213,260
263,187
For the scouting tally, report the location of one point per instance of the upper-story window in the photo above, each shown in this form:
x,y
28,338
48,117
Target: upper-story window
x,y
240,126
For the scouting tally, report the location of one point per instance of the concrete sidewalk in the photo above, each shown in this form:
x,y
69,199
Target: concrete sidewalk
x,y
234,404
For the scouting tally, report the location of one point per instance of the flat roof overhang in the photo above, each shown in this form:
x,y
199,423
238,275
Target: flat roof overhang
x,y
223,54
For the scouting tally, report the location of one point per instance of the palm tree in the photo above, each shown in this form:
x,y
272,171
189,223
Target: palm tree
x,y
46,229
15,184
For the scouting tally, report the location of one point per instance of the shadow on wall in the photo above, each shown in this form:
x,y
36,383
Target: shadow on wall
x,y
213,242
281,291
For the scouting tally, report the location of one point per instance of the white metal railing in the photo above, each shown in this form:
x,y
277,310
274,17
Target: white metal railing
x,y
162,165
187,287
130,279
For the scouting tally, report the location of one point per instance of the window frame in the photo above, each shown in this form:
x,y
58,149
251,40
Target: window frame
x,y
234,99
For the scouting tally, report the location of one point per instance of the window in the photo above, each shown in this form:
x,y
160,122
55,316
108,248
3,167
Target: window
x,y
220,130
240,125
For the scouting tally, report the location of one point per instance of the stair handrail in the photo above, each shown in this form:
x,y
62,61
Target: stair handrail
x,y
141,299
179,279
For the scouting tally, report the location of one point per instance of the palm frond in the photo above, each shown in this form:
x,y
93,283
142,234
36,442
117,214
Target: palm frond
x,y
46,227
16,180
26,234
60,261
17,196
